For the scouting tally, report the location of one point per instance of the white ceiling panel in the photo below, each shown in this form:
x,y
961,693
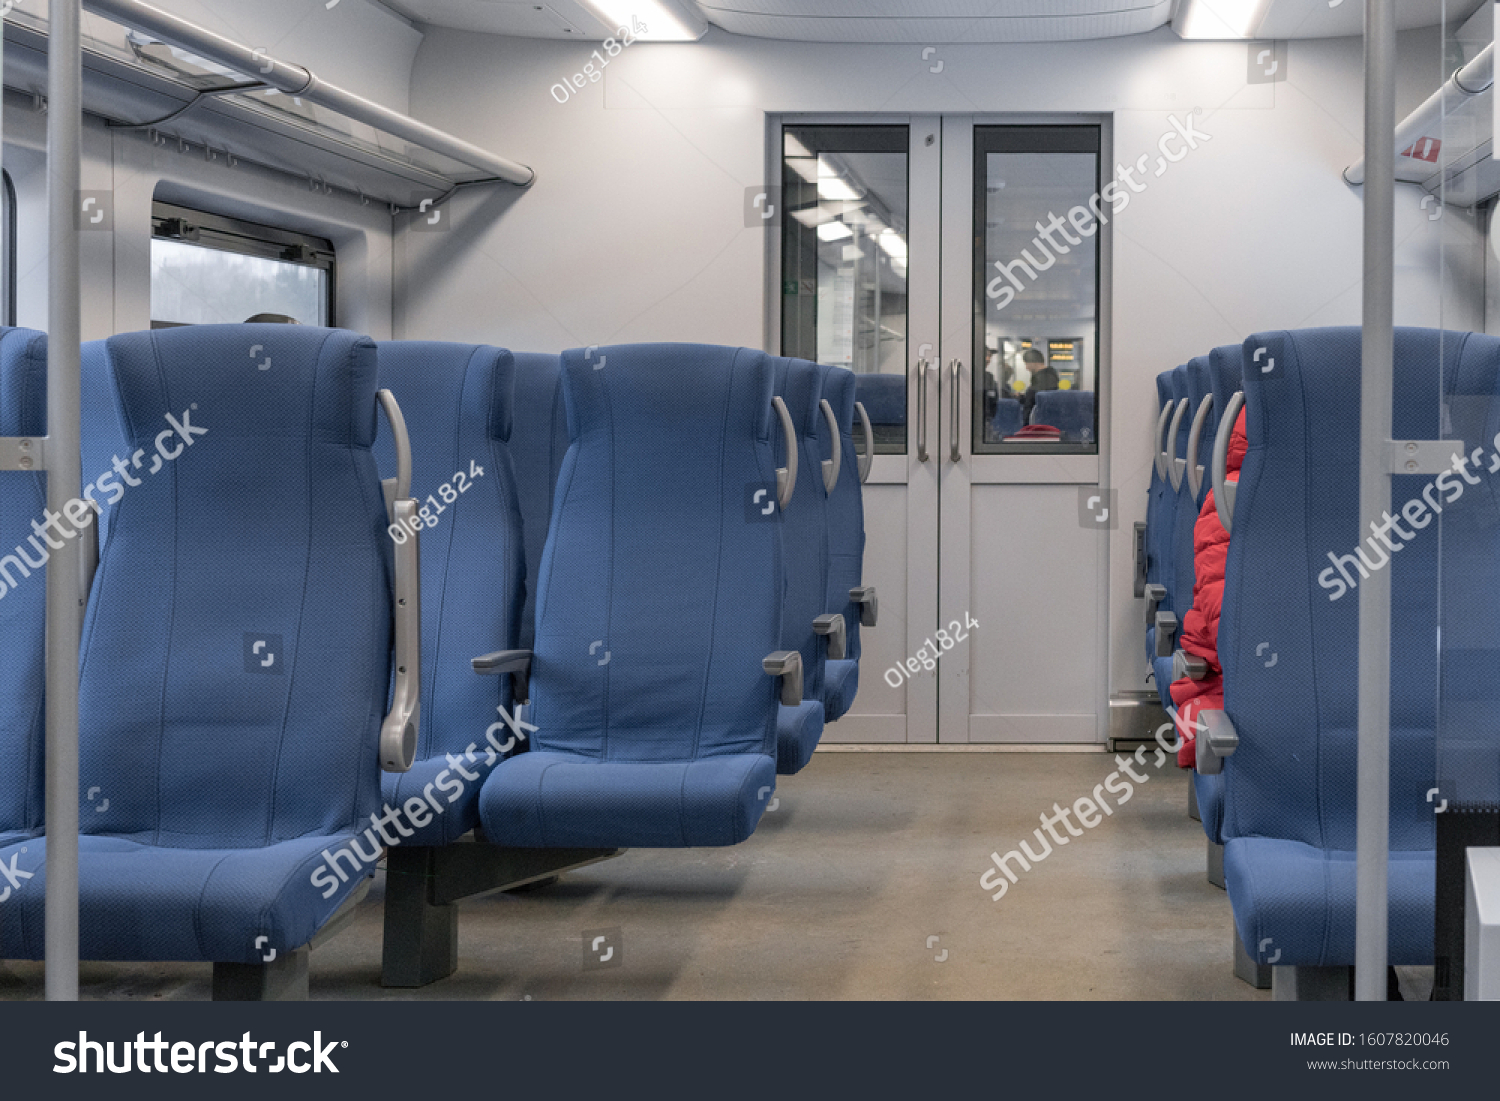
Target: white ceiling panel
x,y
937,21
924,21
1315,19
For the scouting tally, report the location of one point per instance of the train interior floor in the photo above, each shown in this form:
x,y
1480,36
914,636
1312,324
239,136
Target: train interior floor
x,y
863,882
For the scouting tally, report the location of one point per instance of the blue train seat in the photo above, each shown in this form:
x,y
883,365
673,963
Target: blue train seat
x,y
457,401
804,527
660,558
884,399
23,589
1224,381
234,748
847,592
1290,782
1007,418
1163,621
1071,412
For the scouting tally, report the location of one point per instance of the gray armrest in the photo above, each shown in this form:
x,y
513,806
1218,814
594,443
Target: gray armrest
x,y
836,629
1188,665
1217,739
786,664
1166,634
398,733
869,604
515,662
1154,594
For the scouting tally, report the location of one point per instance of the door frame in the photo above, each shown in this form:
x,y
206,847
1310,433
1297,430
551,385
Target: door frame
x,y
940,241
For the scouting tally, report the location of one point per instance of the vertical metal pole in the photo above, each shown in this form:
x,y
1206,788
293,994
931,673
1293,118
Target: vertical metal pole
x,y
1377,351
64,151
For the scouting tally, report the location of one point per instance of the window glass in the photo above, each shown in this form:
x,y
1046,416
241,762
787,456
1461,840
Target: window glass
x,y
844,274
1036,289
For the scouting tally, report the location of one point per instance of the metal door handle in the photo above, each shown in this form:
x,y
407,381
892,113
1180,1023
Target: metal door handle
x,y
921,410
956,365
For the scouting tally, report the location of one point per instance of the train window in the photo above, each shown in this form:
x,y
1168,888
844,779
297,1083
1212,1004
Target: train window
x,y
1036,289
7,249
843,274
208,269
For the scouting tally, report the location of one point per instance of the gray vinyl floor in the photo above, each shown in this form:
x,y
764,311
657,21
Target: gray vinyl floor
x,y
863,883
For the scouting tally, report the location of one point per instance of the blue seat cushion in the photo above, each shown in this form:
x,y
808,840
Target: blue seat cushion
x,y
840,684
1162,669
561,800
1299,900
1210,792
439,783
797,732
206,905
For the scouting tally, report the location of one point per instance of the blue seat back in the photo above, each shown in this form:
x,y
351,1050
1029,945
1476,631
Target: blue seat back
x,y
1007,418
102,437
1288,639
1069,411
846,509
804,522
1224,380
23,586
657,554
884,398
1176,445
538,443
1157,495
269,528
1185,513
456,400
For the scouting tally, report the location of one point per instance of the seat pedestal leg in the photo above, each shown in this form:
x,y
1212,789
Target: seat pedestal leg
x,y
1246,969
1312,984
421,936
284,979
1215,864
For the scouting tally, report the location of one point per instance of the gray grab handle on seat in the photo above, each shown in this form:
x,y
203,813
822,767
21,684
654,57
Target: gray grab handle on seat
x,y
832,467
1224,489
1176,466
866,460
786,476
1195,438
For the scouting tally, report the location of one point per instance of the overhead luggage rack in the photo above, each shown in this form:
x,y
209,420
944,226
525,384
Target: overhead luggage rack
x,y
173,82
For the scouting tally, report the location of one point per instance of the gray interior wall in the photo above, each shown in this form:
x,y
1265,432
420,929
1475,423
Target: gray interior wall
x,y
635,229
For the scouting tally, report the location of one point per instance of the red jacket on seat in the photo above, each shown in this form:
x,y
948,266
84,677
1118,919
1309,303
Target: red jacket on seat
x,y
1200,627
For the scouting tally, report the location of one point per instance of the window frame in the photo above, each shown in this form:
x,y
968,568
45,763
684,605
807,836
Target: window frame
x,y
226,234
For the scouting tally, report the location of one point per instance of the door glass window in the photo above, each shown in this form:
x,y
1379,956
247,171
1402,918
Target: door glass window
x,y
1036,332
843,254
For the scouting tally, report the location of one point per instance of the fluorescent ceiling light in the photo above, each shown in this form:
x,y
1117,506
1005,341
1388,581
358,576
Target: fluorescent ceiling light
x,y
652,20
813,216
805,167
834,231
893,244
836,188
792,147
1220,18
